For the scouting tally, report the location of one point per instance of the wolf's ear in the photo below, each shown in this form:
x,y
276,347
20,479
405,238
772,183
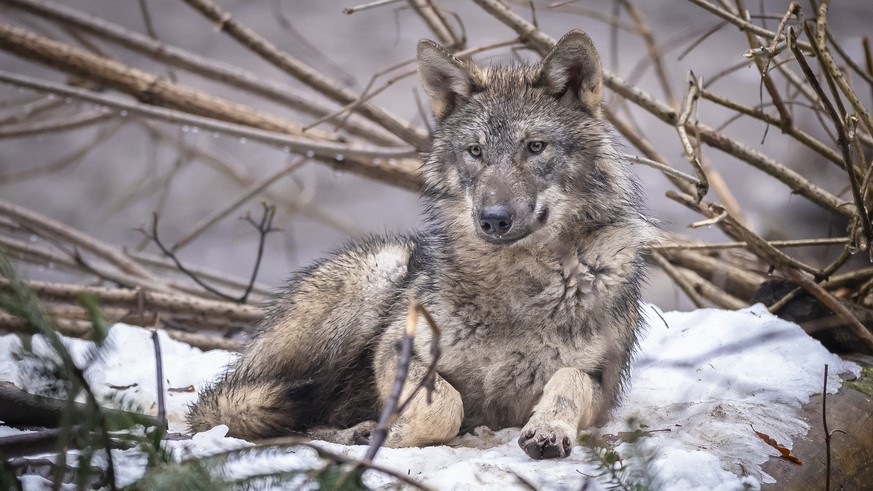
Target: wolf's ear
x,y
571,71
444,77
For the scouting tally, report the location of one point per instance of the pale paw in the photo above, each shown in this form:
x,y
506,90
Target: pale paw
x,y
356,435
546,441
363,432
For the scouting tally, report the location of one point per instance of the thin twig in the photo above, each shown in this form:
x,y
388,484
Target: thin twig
x,y
206,67
166,304
743,24
159,379
367,6
389,412
429,378
368,94
30,108
542,43
709,221
150,29
353,463
766,80
830,67
437,23
393,406
827,434
645,31
664,168
788,265
738,245
241,175
143,85
249,38
688,105
732,272
264,228
868,60
398,170
842,139
69,159
48,226
73,122
253,190
823,278
796,133
848,59
679,279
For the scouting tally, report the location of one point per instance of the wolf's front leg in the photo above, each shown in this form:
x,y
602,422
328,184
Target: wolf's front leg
x,y
568,403
420,423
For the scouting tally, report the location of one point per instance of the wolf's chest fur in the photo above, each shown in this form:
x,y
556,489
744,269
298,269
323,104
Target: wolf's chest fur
x,y
510,322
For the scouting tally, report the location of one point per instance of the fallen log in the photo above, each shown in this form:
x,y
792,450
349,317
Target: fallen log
x,y
850,421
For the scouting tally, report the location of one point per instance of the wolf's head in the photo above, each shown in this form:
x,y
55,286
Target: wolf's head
x,y
520,149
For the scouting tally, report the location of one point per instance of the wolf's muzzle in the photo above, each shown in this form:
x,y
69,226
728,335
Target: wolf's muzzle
x,y
495,220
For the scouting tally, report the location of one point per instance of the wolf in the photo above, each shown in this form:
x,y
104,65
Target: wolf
x,y
531,264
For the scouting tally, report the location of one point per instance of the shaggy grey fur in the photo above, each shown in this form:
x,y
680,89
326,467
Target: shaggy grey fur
x,y
531,263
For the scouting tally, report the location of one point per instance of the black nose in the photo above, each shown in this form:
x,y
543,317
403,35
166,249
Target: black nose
x,y
495,220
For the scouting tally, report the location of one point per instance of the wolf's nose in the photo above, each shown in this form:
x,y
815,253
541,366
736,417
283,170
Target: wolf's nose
x,y
495,220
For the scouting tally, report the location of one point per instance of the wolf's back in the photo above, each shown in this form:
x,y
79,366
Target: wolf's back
x,y
309,362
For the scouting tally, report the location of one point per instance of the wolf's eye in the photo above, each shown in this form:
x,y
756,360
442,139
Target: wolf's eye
x,y
475,150
536,146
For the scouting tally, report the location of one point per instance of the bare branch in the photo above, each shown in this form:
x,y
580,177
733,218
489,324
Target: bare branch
x,y
688,105
363,159
83,329
437,23
165,304
541,43
211,69
842,139
225,22
143,85
784,114
834,72
743,24
264,228
680,280
645,31
54,125
789,266
252,191
779,244
367,6
392,406
54,228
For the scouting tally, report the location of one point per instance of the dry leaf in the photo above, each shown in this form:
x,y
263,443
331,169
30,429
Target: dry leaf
x,y
785,453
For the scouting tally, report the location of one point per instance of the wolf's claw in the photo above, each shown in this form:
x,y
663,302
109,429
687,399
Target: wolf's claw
x,y
540,443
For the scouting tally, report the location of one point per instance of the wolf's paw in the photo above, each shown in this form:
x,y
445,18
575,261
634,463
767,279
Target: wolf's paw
x,y
356,435
546,441
363,432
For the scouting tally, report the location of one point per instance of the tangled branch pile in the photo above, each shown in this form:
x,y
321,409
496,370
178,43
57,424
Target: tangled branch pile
x,y
803,73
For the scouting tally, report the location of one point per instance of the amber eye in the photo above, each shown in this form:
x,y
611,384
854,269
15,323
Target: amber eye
x,y
475,150
536,146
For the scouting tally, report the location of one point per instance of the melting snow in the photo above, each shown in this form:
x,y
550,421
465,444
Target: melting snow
x,y
700,382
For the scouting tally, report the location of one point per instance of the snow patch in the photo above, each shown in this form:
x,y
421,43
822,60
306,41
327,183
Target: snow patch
x,y
701,381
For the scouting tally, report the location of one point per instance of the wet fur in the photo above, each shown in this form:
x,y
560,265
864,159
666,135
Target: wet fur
x,y
537,333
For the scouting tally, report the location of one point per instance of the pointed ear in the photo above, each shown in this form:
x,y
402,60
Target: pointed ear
x,y
571,71
444,77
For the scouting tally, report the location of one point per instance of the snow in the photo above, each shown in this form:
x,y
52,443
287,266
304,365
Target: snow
x,y
702,384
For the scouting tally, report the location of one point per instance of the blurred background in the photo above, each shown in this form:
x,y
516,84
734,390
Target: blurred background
x,y
107,178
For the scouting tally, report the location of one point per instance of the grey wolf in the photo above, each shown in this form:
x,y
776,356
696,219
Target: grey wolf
x,y
531,263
